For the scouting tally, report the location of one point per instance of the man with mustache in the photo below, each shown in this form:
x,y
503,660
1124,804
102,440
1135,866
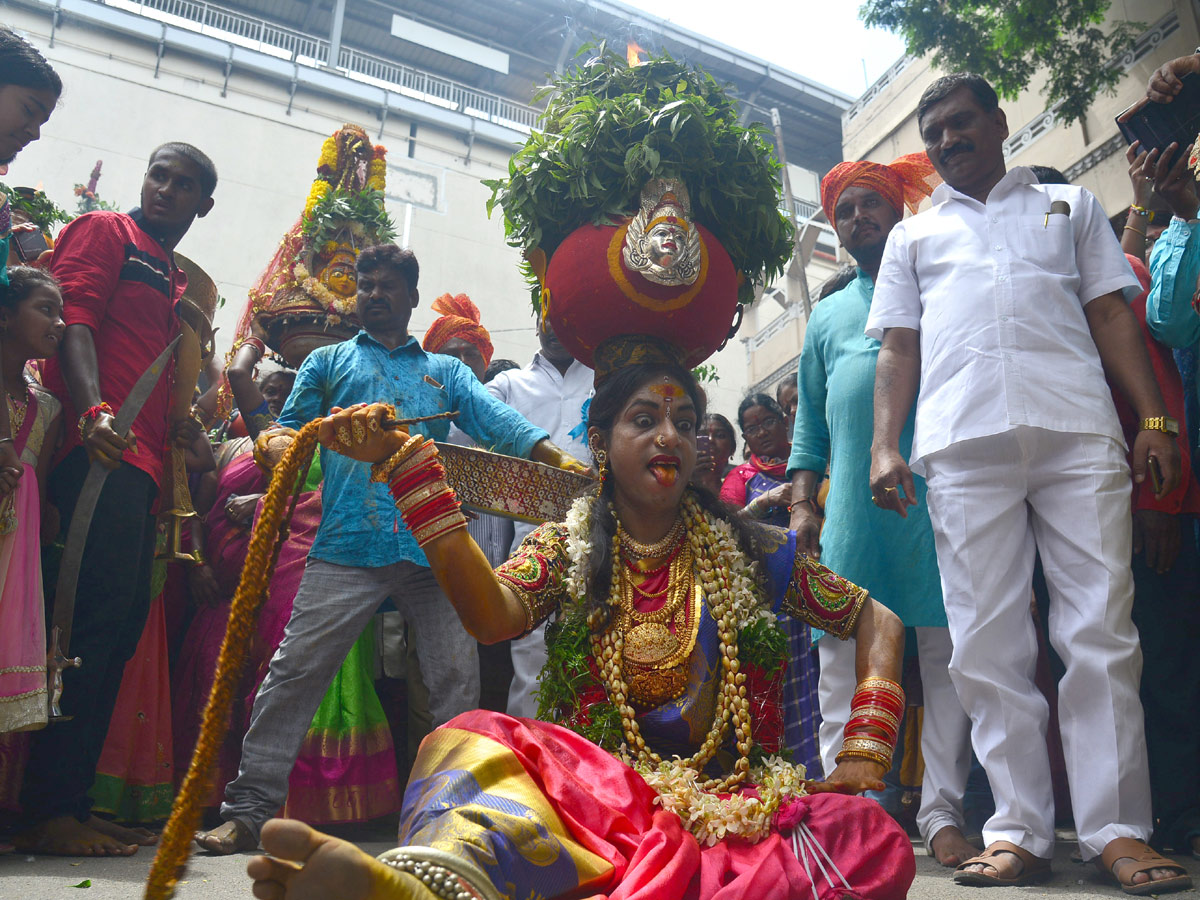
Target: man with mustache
x,y
1006,303
892,558
363,553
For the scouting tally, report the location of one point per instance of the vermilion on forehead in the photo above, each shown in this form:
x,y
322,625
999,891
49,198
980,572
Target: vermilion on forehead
x,y
668,390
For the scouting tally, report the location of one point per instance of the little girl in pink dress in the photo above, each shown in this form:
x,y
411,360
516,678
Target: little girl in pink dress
x,y
31,327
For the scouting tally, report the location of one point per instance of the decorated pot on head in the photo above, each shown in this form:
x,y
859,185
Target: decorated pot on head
x,y
656,213
306,297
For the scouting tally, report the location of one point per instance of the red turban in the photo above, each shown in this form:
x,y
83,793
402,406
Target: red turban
x,y
903,182
460,319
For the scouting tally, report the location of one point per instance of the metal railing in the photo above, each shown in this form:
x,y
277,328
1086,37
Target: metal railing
x,y
309,50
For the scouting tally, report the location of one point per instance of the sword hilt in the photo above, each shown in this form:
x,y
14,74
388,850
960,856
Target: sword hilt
x,y
55,664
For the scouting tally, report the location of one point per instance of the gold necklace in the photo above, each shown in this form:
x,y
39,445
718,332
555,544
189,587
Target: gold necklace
x,y
637,550
16,412
733,706
679,585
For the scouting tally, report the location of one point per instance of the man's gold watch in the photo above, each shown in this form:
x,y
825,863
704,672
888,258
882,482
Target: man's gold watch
x,y
1165,424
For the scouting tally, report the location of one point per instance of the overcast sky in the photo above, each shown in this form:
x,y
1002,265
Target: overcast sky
x,y
820,39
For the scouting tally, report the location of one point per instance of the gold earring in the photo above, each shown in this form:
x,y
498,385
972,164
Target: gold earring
x,y
601,462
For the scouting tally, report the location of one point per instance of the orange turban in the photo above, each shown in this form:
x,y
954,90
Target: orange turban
x,y
460,319
903,182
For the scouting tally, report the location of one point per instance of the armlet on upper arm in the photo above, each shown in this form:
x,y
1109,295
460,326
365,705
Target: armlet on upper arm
x,y
823,599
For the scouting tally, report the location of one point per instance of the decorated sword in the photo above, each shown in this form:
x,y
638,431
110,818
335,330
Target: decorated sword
x,y
81,521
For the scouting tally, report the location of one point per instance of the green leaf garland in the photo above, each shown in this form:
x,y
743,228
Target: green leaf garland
x,y
608,128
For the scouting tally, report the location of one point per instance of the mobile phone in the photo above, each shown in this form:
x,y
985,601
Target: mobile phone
x,y
703,443
1155,472
29,245
1157,125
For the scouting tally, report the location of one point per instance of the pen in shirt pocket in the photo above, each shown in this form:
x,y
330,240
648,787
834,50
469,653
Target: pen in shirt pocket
x,y
1057,208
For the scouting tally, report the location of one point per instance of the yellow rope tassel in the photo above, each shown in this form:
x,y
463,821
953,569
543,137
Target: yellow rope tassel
x,y
269,535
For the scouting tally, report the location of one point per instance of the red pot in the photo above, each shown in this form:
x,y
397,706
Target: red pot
x,y
595,296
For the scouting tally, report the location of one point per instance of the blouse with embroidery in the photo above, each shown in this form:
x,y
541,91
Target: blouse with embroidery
x,y
536,574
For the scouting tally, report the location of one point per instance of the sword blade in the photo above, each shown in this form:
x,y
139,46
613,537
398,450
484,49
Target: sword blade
x,y
89,496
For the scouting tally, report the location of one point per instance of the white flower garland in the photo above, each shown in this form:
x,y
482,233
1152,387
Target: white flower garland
x,y
579,548
708,816
328,299
711,818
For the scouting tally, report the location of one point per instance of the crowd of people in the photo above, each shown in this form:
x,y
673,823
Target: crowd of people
x,y
990,444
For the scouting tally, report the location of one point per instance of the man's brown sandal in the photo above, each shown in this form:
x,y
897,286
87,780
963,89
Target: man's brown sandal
x,y
231,837
1144,859
1033,868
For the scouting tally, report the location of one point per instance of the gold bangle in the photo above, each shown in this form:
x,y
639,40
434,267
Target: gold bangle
x,y
879,683
885,761
878,712
1135,230
420,495
440,526
384,471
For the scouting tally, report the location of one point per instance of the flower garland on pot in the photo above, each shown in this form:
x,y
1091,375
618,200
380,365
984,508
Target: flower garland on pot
x,y
583,686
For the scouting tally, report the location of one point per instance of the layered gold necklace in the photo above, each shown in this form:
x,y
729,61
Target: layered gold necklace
x,y
711,557
658,643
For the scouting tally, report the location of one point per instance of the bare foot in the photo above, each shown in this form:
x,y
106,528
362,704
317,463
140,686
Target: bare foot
x,y
308,865
231,837
141,836
949,846
67,836
1122,864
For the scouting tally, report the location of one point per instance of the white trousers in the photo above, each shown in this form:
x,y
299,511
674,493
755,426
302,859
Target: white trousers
x,y
528,657
990,501
945,729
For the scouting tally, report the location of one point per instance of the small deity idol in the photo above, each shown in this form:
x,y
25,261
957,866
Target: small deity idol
x,y
662,244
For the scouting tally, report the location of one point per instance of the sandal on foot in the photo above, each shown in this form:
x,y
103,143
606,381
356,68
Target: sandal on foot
x,y
1144,859
1033,868
231,837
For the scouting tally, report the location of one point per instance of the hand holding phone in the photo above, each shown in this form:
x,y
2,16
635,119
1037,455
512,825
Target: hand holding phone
x,y
704,458
1158,125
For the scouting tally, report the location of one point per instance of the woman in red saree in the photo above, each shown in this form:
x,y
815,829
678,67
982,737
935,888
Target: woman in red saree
x,y
666,643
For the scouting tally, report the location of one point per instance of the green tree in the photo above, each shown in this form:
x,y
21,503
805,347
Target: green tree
x,y
1007,41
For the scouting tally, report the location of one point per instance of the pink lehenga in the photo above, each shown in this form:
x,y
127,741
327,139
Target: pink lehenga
x,y
346,770
22,612
135,781
23,704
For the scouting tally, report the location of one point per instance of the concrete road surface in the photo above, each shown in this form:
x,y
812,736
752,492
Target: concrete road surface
x,y
224,878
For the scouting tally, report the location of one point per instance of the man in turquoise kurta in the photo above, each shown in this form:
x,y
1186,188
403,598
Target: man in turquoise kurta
x,y
893,558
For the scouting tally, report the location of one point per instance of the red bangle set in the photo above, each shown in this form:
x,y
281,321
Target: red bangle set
x,y
426,503
254,342
874,726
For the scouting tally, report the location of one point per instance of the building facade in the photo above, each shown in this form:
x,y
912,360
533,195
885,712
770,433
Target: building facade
x,y
445,86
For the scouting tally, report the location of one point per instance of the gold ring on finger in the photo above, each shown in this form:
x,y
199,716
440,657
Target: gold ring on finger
x,y
343,435
890,490
372,424
360,431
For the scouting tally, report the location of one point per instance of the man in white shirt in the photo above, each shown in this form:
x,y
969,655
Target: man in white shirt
x,y
552,392
1004,302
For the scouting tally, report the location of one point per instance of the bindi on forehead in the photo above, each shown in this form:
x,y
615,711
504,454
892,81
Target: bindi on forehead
x,y
669,391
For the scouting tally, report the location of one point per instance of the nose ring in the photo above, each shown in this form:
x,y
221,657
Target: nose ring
x,y
660,441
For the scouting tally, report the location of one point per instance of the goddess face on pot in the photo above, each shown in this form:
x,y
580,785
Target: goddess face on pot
x,y
339,275
662,244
